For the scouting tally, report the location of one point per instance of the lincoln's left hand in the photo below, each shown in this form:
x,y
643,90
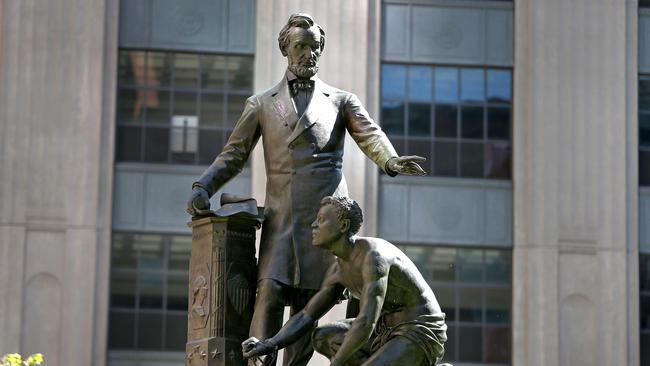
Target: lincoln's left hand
x,y
407,165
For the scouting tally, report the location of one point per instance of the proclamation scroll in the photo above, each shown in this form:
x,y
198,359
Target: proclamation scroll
x,y
222,281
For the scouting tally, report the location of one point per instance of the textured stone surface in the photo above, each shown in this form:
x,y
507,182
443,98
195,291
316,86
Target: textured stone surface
x,y
56,136
574,182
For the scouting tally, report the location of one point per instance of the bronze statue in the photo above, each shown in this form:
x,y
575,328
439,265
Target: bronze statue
x,y
302,123
400,321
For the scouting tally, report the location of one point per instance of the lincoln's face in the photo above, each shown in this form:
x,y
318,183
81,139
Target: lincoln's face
x,y
326,229
303,51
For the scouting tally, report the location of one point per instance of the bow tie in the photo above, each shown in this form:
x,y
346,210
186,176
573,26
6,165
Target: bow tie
x,y
298,85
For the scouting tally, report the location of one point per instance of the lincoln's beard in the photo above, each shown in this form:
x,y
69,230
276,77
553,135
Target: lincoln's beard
x,y
303,71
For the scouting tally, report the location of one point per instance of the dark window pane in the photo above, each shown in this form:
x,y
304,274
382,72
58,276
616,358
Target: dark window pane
x,y
445,155
138,69
123,254
471,85
498,266
236,105
471,160
470,305
644,311
125,74
470,265
645,348
122,290
443,263
446,84
210,145
644,272
419,119
421,148
498,86
644,94
644,167
150,289
157,107
156,145
472,122
121,330
498,160
644,129
159,69
176,332
185,104
129,107
128,143
149,331
497,306
213,72
392,117
212,110
186,70
471,344
150,251
177,292
498,123
447,299
393,81
240,73
497,345
420,84
445,120
179,253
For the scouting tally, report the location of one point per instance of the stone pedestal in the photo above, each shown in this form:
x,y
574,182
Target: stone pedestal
x,y
221,289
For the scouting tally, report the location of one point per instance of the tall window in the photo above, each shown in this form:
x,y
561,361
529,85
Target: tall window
x,y
178,107
148,306
459,116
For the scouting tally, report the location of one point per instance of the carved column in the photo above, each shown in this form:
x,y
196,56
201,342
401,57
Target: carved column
x,y
221,289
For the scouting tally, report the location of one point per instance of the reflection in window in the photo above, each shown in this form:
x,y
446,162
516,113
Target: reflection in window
x,y
166,101
473,287
148,298
458,117
644,130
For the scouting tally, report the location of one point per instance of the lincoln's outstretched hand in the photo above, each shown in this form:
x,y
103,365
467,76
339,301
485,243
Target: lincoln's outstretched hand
x,y
407,165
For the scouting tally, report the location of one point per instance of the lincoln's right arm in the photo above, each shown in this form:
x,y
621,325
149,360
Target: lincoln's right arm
x,y
232,158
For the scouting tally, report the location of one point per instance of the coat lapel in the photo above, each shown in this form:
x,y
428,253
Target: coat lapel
x,y
310,117
283,105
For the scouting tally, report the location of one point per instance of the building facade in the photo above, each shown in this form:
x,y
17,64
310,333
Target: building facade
x,y
531,225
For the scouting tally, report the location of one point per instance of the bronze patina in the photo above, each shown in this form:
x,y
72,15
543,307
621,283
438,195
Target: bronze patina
x,y
302,122
400,321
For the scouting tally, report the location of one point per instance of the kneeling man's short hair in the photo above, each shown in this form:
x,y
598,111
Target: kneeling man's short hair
x,y
346,208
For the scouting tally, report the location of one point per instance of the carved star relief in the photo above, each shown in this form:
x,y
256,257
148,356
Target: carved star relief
x,y
215,353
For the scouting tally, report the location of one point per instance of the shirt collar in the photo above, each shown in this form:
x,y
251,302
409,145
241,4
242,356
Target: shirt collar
x,y
291,76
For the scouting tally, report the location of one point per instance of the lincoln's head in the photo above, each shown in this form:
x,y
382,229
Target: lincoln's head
x,y
301,41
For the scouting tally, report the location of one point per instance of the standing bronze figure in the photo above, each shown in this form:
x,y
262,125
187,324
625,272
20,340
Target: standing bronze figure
x,y
302,122
400,321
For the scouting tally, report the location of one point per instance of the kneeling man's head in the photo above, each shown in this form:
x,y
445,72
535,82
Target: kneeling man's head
x,y
338,218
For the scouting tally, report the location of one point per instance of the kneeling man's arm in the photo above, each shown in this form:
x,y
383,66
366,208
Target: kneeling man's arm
x,y
375,279
299,324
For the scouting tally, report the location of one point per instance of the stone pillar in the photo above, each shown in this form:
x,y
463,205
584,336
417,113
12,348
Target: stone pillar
x,y
57,65
575,147
223,276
